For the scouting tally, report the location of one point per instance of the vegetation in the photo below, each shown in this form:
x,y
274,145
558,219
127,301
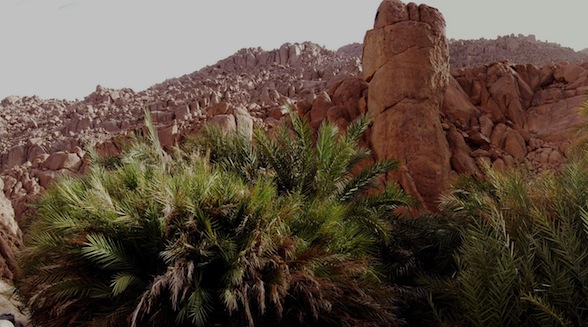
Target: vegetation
x,y
523,261
279,232
402,249
295,230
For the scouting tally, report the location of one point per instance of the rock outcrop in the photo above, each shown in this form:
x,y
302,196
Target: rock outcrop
x,y
44,138
405,61
500,114
516,115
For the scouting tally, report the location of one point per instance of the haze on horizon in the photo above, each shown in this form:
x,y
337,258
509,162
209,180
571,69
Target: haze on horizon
x,y
64,48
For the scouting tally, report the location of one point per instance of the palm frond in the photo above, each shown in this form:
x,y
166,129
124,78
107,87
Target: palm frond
x,y
105,252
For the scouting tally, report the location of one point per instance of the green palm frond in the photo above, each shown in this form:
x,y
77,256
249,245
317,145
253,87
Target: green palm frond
x,y
523,258
365,179
106,253
544,312
122,281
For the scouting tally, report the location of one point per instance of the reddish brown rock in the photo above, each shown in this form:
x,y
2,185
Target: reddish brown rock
x,y
168,136
506,94
244,122
319,110
518,49
221,108
555,122
461,161
349,95
457,105
226,123
10,237
568,73
514,144
406,64
63,160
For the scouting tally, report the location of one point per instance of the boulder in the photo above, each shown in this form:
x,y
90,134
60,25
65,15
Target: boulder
x,y
506,94
319,110
514,144
226,123
244,122
457,106
63,160
556,122
220,108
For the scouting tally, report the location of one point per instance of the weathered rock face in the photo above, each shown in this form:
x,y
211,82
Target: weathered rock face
x,y
10,241
10,238
405,61
517,115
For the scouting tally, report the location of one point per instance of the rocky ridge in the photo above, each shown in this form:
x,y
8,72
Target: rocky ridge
x,y
518,49
499,115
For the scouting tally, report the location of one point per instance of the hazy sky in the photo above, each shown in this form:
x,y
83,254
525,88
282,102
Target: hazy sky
x,y
64,48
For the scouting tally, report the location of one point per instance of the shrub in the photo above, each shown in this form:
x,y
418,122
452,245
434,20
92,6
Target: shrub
x,y
523,261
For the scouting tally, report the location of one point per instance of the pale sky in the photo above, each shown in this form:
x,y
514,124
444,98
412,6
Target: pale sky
x,y
64,48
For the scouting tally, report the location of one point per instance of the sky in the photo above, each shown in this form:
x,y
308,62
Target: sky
x,y
64,48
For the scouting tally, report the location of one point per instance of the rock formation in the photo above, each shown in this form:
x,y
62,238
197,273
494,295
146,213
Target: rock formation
x,y
517,115
519,49
405,61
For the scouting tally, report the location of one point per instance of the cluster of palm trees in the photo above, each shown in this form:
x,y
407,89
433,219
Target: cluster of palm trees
x,y
524,257
223,232
297,229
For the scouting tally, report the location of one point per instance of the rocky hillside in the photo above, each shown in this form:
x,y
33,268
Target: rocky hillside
x,y
259,81
41,138
517,49
438,123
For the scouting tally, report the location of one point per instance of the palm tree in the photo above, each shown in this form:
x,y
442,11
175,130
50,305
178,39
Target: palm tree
x,y
328,165
331,165
153,239
523,260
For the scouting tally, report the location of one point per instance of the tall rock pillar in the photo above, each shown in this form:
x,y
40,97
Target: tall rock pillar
x,y
406,62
